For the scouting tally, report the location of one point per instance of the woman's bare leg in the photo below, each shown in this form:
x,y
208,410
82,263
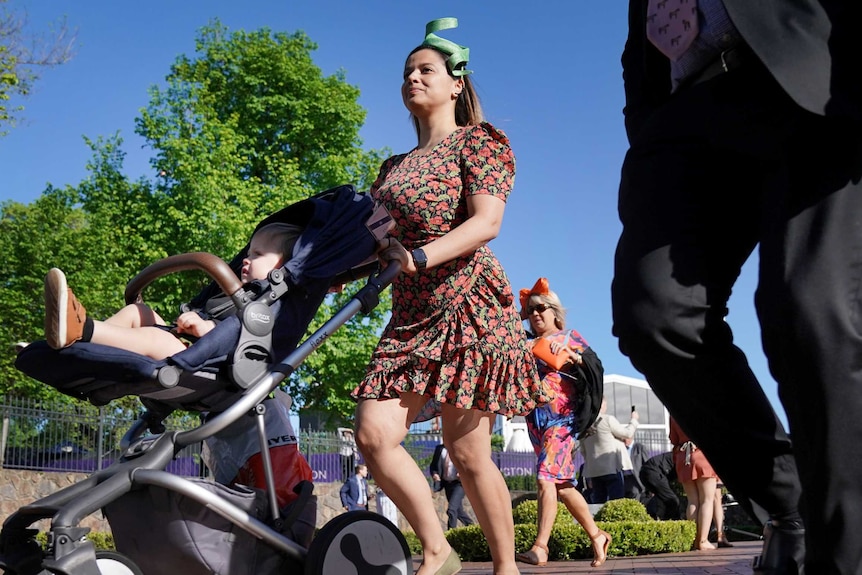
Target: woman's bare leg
x,y
546,503
577,506
706,495
691,496
718,516
467,435
701,497
381,425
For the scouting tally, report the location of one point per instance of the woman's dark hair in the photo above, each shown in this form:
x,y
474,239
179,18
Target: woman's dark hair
x,y
468,110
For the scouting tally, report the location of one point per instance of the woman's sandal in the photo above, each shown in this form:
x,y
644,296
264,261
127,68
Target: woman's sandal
x,y
600,559
532,557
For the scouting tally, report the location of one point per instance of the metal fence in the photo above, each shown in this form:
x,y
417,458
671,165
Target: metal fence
x,y
54,436
79,437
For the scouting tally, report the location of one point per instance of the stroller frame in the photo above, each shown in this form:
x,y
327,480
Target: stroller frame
x,y
148,448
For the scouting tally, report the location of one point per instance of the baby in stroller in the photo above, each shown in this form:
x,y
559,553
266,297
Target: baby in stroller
x,y
229,374
138,328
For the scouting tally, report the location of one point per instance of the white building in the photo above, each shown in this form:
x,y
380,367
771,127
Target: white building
x,y
622,393
515,435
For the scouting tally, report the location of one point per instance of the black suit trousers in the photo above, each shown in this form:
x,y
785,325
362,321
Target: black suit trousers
x,y
455,511
721,168
666,505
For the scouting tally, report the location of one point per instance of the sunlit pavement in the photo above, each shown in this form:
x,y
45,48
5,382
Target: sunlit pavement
x,y
731,561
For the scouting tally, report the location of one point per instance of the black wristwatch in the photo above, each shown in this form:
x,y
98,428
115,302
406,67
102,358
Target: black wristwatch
x,y
420,260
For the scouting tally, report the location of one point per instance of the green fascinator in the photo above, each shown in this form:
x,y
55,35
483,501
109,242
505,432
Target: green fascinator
x,y
458,55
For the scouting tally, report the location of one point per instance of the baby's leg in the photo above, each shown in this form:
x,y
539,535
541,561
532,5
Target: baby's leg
x,y
151,341
135,315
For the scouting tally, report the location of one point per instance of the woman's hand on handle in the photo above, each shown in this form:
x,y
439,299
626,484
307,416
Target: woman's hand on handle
x,y
389,249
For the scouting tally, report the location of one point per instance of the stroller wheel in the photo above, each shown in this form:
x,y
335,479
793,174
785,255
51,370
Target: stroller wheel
x,y
113,563
359,542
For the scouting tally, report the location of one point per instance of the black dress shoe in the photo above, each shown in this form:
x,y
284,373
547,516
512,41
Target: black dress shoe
x,y
783,550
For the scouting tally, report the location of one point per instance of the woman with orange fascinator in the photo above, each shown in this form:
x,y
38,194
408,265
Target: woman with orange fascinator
x,y
567,364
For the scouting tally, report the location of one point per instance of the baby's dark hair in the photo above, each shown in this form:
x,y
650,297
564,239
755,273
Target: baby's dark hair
x,y
286,234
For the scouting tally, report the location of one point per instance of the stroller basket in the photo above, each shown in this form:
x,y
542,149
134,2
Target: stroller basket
x,y
168,523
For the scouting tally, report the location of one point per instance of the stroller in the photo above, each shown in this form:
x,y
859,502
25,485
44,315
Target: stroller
x,y
163,523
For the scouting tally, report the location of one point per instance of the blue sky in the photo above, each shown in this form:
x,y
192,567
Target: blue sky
x,y
548,74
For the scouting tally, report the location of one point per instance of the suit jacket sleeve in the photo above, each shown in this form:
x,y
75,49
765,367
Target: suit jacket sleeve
x,y
639,457
437,461
667,465
347,498
646,72
621,431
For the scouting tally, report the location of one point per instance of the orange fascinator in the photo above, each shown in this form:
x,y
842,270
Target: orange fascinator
x,y
540,288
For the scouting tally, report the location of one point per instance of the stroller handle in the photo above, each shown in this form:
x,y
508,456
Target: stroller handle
x,y
388,274
214,266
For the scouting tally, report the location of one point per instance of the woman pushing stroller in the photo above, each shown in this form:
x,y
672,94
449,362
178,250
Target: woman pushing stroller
x,y
455,343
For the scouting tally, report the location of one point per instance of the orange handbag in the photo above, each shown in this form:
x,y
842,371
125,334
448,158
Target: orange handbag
x,y
542,351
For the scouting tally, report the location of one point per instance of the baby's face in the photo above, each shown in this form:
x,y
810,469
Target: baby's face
x,y
263,257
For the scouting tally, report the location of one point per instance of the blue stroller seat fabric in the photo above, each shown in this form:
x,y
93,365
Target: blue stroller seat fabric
x,y
166,522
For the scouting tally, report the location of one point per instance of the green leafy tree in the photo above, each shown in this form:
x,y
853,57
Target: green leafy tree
x,y
244,127
28,233
324,381
21,54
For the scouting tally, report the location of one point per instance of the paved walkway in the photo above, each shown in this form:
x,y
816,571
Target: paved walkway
x,y
732,561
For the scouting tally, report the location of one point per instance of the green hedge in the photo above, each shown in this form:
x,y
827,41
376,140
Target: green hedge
x,y
616,510
100,540
632,530
413,543
623,510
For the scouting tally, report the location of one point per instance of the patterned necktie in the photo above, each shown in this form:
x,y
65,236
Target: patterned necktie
x,y
672,25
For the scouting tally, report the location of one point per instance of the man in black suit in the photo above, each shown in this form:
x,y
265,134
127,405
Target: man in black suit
x,y
750,137
637,455
656,474
446,477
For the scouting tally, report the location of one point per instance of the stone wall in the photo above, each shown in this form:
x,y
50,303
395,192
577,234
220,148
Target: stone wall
x,y
20,487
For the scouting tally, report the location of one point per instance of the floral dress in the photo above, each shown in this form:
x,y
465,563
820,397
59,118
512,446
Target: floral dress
x,y
552,426
455,335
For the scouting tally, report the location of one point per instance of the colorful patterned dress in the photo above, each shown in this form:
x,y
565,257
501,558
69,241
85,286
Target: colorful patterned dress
x,y
552,426
455,335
